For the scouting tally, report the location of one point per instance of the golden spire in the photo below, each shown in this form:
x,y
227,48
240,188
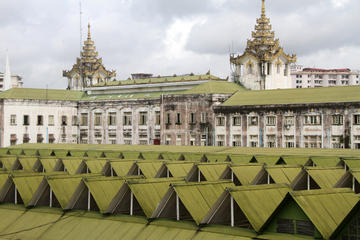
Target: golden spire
x,y
263,9
89,35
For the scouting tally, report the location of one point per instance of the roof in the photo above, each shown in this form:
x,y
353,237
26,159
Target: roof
x,y
284,174
149,169
326,208
251,201
246,173
213,87
121,168
326,161
179,169
42,94
167,79
150,192
294,96
326,177
212,172
198,198
326,70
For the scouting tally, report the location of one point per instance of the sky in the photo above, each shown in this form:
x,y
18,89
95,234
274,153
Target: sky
x,y
167,37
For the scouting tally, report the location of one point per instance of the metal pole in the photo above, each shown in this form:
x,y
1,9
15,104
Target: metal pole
x,y
131,203
177,208
51,193
89,199
232,211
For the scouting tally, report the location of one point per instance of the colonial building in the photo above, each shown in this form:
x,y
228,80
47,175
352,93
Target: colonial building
x,y
315,77
264,64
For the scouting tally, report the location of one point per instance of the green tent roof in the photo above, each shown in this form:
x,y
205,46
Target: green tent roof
x,y
326,177
49,163
179,169
258,203
212,172
246,173
326,161
295,160
150,192
96,165
8,162
149,169
268,160
122,168
72,164
27,186
28,163
104,189
326,208
284,174
198,198
295,96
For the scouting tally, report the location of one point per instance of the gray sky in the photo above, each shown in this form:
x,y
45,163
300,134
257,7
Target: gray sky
x,y
170,36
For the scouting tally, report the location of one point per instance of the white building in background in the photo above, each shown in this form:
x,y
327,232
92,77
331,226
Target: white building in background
x,y
7,80
264,64
315,77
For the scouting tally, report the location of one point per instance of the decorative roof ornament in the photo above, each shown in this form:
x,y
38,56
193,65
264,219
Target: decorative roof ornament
x,y
263,44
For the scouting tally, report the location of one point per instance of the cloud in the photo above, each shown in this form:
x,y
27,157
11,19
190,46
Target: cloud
x,y
167,37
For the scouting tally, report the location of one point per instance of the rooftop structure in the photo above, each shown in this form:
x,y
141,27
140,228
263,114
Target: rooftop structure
x,y
264,64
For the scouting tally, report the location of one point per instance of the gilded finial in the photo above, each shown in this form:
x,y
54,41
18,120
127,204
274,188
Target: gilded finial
x,y
89,35
263,8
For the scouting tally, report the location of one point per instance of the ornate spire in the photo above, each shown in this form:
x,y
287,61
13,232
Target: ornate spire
x,y
7,75
263,9
89,34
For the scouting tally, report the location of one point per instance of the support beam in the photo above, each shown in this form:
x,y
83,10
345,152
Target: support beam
x,y
232,211
268,178
111,171
353,183
308,181
15,196
177,207
232,176
131,203
199,175
167,173
89,196
50,198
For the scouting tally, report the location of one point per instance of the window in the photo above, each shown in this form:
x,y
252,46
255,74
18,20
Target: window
x,y
113,141
63,120
271,121
192,118
291,226
337,141
98,134
278,68
26,120
112,133
289,121
157,118
97,119
254,140
289,141
312,120
192,139
26,138
237,121
13,120
39,138
74,120
356,119
51,138
143,134
313,141
127,119
236,140
203,117
127,133
40,120
337,120
127,142
13,139
178,118
203,140
220,121
271,141
168,118
143,118
220,140
178,140
84,135
168,139
112,119
253,121
143,142
84,119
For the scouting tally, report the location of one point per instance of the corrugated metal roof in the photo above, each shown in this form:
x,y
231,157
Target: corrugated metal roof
x,y
8,162
246,173
212,172
326,161
104,189
64,187
49,163
121,168
258,203
27,186
149,192
28,163
268,160
179,169
41,94
72,164
149,169
326,208
198,198
325,177
284,174
96,165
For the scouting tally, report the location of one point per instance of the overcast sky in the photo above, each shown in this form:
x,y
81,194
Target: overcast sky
x,y
170,36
